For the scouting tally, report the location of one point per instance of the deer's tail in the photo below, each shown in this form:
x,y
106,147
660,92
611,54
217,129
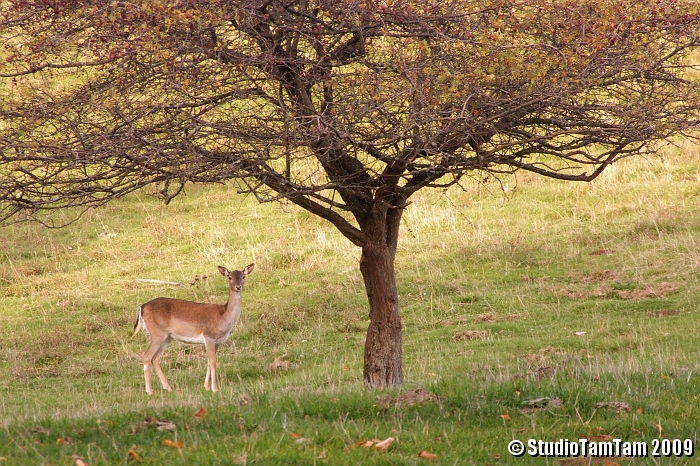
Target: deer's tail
x,y
139,322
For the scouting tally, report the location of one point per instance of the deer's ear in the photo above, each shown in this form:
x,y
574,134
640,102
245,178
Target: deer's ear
x,y
223,271
249,268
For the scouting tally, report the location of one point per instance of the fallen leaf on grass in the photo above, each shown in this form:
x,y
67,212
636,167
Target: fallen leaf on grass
x,y
78,460
171,444
544,402
165,425
619,406
658,427
135,456
384,444
298,438
602,252
505,417
425,454
381,445
541,403
544,372
63,441
470,335
201,412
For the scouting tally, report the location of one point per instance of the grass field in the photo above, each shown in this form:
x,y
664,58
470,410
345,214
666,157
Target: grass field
x,y
497,289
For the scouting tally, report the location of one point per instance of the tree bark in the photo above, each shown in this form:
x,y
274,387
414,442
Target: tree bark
x,y
383,345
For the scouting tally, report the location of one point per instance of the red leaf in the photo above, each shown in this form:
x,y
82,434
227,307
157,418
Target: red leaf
x,y
427,455
171,444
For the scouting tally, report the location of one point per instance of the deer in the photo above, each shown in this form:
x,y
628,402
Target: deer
x,y
165,319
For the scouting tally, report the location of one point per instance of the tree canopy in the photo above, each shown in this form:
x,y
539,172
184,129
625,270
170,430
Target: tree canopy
x,y
346,108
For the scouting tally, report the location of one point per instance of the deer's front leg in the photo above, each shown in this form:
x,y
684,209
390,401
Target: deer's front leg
x,y
210,379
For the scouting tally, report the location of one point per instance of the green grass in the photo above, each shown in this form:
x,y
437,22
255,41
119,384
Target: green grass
x,y
515,268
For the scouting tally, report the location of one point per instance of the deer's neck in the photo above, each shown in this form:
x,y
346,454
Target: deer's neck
x,y
233,307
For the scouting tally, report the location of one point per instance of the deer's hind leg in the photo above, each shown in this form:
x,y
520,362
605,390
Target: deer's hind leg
x,y
152,356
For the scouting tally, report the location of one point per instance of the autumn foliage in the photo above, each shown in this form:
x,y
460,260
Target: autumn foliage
x,y
346,108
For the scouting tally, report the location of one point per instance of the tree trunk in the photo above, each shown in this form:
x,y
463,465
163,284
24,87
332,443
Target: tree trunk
x,y
383,351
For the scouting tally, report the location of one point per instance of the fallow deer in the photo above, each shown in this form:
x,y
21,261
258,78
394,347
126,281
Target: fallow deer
x,y
166,319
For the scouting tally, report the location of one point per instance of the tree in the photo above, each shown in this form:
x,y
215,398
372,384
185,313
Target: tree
x,y
346,108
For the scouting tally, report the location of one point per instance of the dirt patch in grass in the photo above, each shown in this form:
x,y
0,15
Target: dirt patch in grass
x,y
648,291
606,290
471,335
598,292
618,406
279,364
418,396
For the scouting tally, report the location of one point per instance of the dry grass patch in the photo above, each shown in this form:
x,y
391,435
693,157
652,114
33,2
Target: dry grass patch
x,y
471,335
414,397
656,291
660,290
